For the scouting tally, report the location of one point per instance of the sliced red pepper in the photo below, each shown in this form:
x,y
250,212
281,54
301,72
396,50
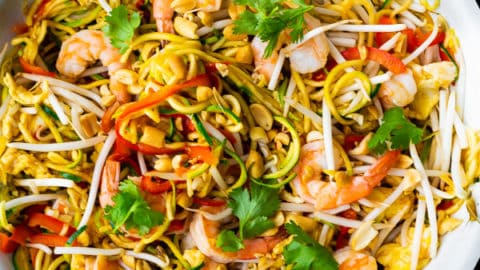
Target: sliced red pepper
x,y
7,245
211,66
343,236
40,10
154,185
50,223
126,159
411,40
107,121
445,204
351,141
176,226
51,240
202,153
20,28
384,58
29,68
228,135
321,74
382,37
20,234
209,202
36,208
421,37
152,100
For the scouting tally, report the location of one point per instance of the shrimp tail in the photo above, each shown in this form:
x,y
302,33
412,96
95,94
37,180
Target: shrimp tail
x,y
380,169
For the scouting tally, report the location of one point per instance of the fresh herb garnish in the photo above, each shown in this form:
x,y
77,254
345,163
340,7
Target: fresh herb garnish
x,y
304,253
120,28
70,176
252,208
396,130
132,210
271,18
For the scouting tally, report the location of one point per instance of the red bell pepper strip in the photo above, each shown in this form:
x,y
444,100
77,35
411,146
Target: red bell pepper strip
x,y
20,234
40,10
107,122
126,159
445,204
154,185
29,68
50,223
153,100
51,240
6,244
343,235
176,226
384,58
20,28
351,141
421,37
209,202
382,37
321,74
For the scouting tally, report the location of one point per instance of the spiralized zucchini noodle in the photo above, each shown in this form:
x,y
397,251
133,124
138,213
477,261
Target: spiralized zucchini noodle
x,y
303,134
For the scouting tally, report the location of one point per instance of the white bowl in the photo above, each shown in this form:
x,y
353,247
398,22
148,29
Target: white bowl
x,y
459,249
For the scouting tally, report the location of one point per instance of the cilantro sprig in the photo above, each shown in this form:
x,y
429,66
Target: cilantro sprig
x,y
395,131
131,209
304,253
120,28
252,208
270,20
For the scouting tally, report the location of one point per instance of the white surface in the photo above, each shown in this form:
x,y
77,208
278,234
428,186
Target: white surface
x,y
459,249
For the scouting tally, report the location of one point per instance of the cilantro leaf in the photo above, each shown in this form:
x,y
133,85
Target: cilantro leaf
x,y
120,28
132,210
229,241
395,129
252,208
270,20
305,253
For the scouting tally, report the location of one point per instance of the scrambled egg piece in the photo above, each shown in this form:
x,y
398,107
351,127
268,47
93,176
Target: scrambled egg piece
x,y
395,257
16,161
430,78
379,194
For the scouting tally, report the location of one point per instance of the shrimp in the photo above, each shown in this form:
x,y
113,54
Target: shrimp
x,y
163,14
263,66
399,91
109,182
311,55
328,195
354,260
86,47
204,234
312,162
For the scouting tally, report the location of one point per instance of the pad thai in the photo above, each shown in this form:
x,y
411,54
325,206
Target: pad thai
x,y
240,134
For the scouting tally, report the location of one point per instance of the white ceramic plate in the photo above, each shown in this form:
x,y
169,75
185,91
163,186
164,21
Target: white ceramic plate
x,y
459,249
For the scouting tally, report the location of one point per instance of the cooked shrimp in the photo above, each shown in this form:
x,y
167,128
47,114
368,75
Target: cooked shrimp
x,y
109,182
313,54
328,195
399,91
354,260
263,66
312,162
163,14
86,47
204,233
